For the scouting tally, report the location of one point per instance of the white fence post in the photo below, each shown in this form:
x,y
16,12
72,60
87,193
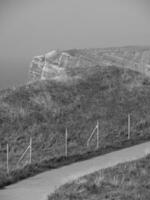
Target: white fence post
x,y
30,150
7,159
129,128
91,136
66,143
97,134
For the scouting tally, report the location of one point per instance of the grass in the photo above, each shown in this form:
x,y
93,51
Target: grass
x,y
126,181
44,109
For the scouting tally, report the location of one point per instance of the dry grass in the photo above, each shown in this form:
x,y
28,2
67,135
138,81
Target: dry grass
x,y
124,181
44,109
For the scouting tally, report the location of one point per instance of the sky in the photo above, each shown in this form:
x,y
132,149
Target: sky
x,y
34,27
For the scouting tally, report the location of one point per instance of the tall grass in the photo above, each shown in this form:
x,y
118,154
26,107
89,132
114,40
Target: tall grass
x,y
124,181
44,109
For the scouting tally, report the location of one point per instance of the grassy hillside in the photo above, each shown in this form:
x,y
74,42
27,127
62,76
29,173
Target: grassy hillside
x,y
44,109
125,181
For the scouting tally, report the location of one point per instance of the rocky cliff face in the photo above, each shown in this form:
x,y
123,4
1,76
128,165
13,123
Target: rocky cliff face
x,y
57,64
134,57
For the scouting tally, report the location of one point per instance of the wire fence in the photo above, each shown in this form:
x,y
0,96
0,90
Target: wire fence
x,y
10,162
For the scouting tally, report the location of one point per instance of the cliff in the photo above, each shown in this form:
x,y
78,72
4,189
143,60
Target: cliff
x,y
44,109
56,65
59,64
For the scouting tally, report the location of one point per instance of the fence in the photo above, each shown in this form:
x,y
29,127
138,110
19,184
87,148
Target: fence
x,y
29,150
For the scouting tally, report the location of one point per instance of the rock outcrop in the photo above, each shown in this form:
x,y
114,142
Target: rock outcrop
x,y
136,58
57,64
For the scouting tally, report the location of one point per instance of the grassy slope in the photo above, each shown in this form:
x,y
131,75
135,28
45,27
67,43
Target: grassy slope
x,y
128,181
44,109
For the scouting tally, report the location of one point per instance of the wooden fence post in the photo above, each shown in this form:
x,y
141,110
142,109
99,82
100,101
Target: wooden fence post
x,y
129,126
97,134
66,143
30,150
7,159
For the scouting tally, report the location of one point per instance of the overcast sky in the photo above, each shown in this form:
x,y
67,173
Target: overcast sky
x,y
33,27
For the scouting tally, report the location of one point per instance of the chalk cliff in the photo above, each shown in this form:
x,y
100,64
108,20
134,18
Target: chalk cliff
x,y
58,64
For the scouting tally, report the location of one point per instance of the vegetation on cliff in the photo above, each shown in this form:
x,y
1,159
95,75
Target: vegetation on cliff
x,y
44,109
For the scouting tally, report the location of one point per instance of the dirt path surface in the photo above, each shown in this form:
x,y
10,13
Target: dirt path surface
x,y
40,186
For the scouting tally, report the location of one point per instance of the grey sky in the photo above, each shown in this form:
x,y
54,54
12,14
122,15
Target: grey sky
x,y
32,27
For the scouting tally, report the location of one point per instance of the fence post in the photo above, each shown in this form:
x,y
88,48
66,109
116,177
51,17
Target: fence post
x,y
30,150
97,134
66,143
93,132
7,159
129,128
